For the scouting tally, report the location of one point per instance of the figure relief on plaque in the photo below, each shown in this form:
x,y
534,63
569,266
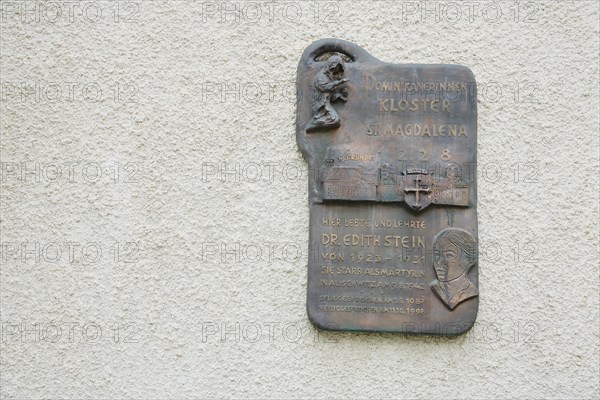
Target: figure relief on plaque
x,y
455,252
328,89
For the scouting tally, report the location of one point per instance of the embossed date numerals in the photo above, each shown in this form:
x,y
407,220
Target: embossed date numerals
x,y
421,154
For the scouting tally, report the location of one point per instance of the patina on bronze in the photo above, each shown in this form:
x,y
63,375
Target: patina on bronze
x,y
392,191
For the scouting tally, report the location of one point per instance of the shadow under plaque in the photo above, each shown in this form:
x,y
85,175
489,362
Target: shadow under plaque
x,y
391,150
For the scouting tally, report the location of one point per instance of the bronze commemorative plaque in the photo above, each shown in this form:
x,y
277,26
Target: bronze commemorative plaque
x,y
391,150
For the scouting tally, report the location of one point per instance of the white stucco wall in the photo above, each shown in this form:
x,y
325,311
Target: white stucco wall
x,y
192,309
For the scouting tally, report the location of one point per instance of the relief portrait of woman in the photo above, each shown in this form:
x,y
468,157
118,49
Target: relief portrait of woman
x,y
454,253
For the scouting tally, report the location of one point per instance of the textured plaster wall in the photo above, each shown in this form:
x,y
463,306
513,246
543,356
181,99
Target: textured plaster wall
x,y
209,301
